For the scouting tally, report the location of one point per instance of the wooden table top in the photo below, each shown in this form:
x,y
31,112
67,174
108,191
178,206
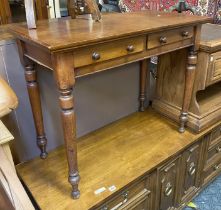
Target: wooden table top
x,y
114,155
58,34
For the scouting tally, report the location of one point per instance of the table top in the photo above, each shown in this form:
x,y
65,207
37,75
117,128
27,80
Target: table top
x,y
58,34
118,143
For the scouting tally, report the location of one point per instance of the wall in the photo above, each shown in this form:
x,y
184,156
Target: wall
x,y
100,99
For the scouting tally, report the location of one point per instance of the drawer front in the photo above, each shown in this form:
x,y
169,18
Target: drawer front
x,y
211,172
215,136
168,179
214,68
135,197
190,164
214,153
107,51
168,37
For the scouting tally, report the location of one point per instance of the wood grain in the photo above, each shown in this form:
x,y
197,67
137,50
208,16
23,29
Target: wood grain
x,y
5,12
41,9
60,34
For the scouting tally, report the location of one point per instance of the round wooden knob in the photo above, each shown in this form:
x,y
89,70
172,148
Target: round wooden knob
x,y
185,34
96,56
163,40
130,48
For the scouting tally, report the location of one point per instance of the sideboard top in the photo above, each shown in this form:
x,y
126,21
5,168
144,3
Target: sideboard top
x,y
210,37
5,35
59,34
116,154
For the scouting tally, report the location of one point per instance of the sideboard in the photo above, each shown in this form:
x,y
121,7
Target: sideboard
x,y
78,47
137,163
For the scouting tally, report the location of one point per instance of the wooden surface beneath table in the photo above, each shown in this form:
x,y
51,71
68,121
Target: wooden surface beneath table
x,y
5,34
114,155
58,34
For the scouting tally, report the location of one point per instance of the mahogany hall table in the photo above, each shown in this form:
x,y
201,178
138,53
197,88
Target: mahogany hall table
x,y
77,47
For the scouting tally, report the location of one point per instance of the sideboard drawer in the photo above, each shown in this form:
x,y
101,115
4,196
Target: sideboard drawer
x,y
215,136
210,172
214,68
109,50
214,153
168,37
135,197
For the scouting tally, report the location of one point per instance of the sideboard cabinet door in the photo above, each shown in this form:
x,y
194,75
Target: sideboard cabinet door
x,y
168,182
190,167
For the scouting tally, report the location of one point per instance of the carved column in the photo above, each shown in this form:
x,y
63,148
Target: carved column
x,y
144,80
34,96
189,82
64,76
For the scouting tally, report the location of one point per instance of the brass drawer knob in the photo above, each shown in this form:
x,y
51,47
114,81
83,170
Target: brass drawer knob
x,y
96,56
185,34
216,167
125,195
218,149
163,40
104,208
130,48
168,190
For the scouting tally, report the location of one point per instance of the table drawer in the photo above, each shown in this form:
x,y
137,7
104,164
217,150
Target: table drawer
x,y
135,197
106,51
168,37
215,136
214,153
214,68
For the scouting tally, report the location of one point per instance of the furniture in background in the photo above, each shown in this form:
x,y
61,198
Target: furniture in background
x,y
70,56
12,193
73,10
5,12
205,106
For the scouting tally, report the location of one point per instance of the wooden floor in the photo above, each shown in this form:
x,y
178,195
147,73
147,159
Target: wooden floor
x,y
114,155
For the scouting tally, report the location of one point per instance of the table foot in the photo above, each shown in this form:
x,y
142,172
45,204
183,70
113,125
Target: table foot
x,y
41,142
74,180
183,121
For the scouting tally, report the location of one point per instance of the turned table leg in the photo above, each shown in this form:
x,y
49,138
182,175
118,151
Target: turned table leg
x,y
64,76
144,73
34,96
189,82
